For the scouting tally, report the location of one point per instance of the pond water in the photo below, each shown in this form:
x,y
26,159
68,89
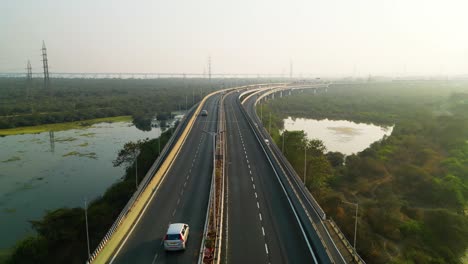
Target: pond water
x,y
45,171
342,136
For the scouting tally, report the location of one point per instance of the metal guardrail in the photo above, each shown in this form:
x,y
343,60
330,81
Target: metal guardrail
x,y
347,244
144,182
214,216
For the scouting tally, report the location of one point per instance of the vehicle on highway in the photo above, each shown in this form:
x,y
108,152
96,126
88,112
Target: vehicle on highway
x,y
204,113
176,237
267,142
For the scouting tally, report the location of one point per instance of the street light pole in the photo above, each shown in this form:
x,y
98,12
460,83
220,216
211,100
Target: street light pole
x,y
269,126
305,162
136,170
355,226
282,147
87,230
355,221
261,112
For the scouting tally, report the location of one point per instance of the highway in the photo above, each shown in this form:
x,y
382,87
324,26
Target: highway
x,y
303,195
260,224
182,196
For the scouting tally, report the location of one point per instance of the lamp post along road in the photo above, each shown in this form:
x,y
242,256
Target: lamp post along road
x,y
355,222
137,152
87,229
305,163
269,126
282,147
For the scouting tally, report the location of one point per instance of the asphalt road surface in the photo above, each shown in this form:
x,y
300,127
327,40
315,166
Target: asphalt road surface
x,y
181,197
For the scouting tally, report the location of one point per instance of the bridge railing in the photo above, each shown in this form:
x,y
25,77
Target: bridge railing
x,y
144,182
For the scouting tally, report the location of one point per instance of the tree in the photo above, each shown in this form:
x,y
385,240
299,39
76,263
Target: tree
x,y
129,153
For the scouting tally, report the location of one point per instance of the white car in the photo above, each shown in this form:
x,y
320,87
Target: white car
x,y
176,237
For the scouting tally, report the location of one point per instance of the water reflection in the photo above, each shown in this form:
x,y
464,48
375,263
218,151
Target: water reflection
x,y
49,170
343,136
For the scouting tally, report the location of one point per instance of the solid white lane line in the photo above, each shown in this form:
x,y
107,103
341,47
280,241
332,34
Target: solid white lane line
x,y
263,231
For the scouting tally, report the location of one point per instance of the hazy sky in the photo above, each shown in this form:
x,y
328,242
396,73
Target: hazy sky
x,y
328,37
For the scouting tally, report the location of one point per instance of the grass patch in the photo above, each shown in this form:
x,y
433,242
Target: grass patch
x,y
67,139
63,126
5,254
83,144
90,155
9,210
14,158
88,134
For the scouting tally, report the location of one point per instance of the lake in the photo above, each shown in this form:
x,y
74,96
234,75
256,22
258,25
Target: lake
x,y
342,136
47,171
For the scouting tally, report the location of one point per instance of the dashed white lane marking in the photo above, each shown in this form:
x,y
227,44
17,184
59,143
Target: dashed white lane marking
x,y
250,172
247,161
266,248
251,178
258,205
263,231
185,183
248,165
178,201
155,258
256,195
173,213
260,216
253,185
246,157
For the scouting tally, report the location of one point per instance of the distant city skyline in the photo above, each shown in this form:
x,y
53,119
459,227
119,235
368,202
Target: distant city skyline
x,y
320,38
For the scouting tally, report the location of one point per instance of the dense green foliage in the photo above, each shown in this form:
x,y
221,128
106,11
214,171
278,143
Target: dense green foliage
x,y
412,187
61,236
28,104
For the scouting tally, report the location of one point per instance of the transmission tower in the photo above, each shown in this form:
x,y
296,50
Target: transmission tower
x,y
45,64
290,69
209,68
29,71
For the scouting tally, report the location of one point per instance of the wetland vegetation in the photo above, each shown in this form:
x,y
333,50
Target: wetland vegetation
x,y
412,186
